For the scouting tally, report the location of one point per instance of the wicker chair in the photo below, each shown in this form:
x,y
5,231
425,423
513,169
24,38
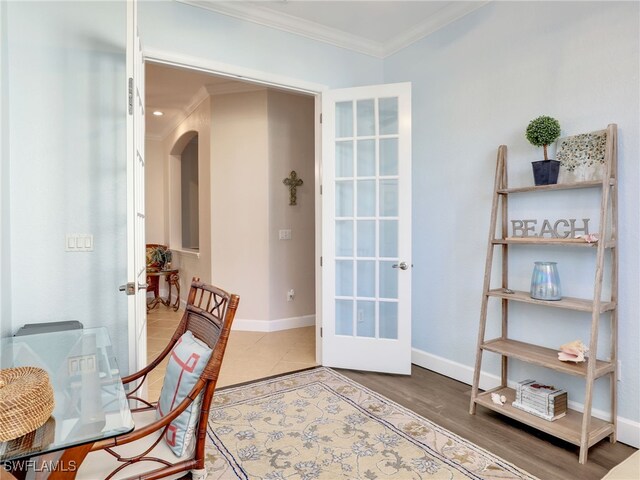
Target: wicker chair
x,y
208,315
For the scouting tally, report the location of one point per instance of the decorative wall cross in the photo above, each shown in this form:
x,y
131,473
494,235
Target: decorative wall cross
x,y
293,182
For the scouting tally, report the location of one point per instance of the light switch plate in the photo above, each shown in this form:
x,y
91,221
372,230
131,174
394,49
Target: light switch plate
x,y
284,234
79,242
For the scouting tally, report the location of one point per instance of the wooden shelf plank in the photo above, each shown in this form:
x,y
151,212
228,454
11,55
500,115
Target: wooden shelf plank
x,y
544,357
557,186
564,242
567,428
570,303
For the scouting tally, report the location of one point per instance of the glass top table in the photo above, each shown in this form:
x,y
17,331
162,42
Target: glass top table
x,y
90,400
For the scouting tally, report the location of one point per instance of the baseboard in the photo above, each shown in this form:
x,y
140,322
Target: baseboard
x,y
628,430
273,325
451,369
248,325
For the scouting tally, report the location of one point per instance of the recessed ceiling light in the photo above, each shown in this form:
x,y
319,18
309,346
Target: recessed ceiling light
x,y
158,113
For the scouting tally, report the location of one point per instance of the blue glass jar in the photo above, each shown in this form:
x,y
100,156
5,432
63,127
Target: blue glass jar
x,y
545,281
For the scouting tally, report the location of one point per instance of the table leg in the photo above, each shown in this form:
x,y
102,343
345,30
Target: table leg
x,y
153,285
153,303
167,303
5,475
175,279
70,462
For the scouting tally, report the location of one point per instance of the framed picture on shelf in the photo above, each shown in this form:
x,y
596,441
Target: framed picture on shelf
x,y
581,157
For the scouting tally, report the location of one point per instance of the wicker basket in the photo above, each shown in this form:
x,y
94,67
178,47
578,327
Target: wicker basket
x,y
26,401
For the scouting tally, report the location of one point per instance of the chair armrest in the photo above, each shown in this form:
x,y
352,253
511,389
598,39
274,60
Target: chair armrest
x,y
152,427
145,370
141,373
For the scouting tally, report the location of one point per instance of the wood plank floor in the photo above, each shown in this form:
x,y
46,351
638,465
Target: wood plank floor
x,y
446,402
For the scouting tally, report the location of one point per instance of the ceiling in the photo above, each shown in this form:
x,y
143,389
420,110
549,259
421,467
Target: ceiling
x,y
176,92
377,28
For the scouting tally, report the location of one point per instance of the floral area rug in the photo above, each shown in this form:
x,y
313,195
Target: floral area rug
x,y
318,424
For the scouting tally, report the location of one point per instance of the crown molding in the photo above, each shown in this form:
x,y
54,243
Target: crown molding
x,y
289,23
443,17
197,99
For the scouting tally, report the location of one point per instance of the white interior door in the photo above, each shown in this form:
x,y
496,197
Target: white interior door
x,y
366,225
136,270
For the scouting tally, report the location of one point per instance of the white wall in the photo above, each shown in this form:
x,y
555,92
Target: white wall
x,y
191,263
257,137
240,200
66,70
291,262
476,85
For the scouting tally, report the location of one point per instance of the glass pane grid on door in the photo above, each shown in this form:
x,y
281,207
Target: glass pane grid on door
x,y
366,238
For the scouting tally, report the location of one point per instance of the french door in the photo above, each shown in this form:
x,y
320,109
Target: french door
x,y
366,228
136,261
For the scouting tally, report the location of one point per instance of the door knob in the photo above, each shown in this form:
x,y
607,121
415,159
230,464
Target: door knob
x,y
130,288
401,265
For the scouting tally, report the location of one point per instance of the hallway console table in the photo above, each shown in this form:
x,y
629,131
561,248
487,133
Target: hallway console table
x,y
172,277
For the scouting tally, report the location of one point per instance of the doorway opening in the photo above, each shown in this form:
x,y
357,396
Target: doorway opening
x,y
242,232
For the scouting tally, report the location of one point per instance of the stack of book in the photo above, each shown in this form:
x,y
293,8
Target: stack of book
x,y
544,401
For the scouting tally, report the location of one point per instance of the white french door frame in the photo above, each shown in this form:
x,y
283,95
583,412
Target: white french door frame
x,y
283,83
287,84
356,308
135,288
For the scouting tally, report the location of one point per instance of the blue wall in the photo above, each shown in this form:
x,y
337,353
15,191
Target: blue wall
x,y
476,85
63,68
66,71
177,28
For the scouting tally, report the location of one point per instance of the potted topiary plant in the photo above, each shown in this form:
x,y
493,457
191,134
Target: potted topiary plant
x,y
541,132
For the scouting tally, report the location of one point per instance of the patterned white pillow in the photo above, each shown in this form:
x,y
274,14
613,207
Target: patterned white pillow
x,y
186,362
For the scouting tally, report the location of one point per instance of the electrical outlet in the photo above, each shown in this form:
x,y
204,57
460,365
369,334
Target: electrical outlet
x,y
284,234
291,294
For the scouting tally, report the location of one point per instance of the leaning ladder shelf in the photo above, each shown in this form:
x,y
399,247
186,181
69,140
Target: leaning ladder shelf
x,y
581,429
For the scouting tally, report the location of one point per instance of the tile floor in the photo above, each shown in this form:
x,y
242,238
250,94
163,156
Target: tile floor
x,y
249,355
